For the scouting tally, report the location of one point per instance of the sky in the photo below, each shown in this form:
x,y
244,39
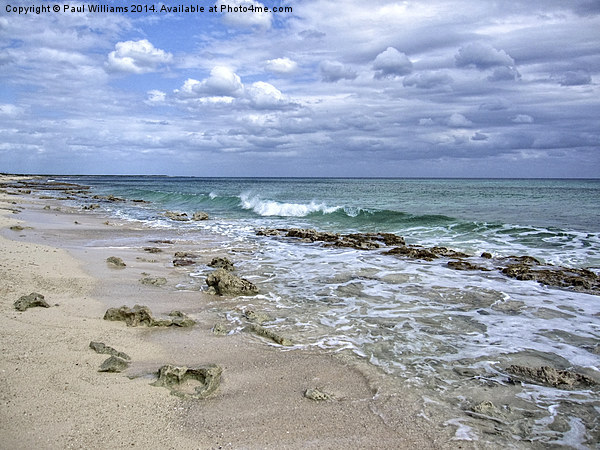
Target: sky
x,y
429,88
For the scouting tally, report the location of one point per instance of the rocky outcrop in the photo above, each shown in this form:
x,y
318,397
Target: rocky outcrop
x,y
142,316
182,262
31,301
269,334
197,382
114,364
180,217
154,281
225,283
360,241
152,249
115,262
100,347
200,215
562,379
582,280
427,254
222,263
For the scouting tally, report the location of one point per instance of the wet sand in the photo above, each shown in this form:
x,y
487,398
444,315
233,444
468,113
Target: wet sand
x,y
54,397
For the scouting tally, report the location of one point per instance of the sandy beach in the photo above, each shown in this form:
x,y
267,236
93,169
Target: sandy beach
x,y
54,397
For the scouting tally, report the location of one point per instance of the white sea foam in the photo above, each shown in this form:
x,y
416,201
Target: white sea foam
x,y
273,208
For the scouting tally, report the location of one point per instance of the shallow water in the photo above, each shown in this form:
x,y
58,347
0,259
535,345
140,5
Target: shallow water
x,y
449,334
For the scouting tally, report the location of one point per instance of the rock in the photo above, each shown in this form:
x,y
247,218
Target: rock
x,y
183,262
17,228
185,255
152,249
562,379
179,319
509,307
268,333
141,315
317,395
257,317
465,265
412,252
30,301
200,215
116,262
100,347
225,283
154,281
91,207
220,330
486,255
114,364
198,382
268,232
180,217
223,263
133,317
581,280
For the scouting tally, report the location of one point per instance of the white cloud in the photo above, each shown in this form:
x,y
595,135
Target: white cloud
x,y
282,66
137,57
457,120
426,121
266,96
522,118
248,19
155,97
391,63
9,110
482,56
222,82
332,71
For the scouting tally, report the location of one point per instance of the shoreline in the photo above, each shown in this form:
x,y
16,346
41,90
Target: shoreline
x,y
259,403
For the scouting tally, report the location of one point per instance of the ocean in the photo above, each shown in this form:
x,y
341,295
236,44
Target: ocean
x,y
449,334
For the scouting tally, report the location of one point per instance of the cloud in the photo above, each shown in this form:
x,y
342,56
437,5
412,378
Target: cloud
x,y
575,78
504,74
156,97
281,66
266,96
479,137
482,56
332,71
222,82
428,80
391,63
9,110
137,57
522,118
248,19
458,121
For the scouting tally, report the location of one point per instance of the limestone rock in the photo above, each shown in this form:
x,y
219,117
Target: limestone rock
x,y
100,347
141,315
198,382
562,379
133,317
180,217
223,263
317,395
220,330
152,249
29,301
154,281
225,283
179,319
182,262
200,215
116,262
114,364
269,334
257,316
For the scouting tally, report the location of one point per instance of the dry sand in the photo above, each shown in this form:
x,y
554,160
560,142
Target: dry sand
x,y
54,397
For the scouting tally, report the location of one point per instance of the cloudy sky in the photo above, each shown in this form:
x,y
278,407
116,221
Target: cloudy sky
x,y
451,88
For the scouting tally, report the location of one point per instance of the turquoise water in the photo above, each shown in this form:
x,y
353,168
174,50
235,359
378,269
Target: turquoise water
x,y
421,322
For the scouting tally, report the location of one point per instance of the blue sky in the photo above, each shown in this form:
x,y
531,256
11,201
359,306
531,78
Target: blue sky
x,y
434,88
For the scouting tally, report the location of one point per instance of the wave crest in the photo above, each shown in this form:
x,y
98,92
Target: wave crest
x,y
273,208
